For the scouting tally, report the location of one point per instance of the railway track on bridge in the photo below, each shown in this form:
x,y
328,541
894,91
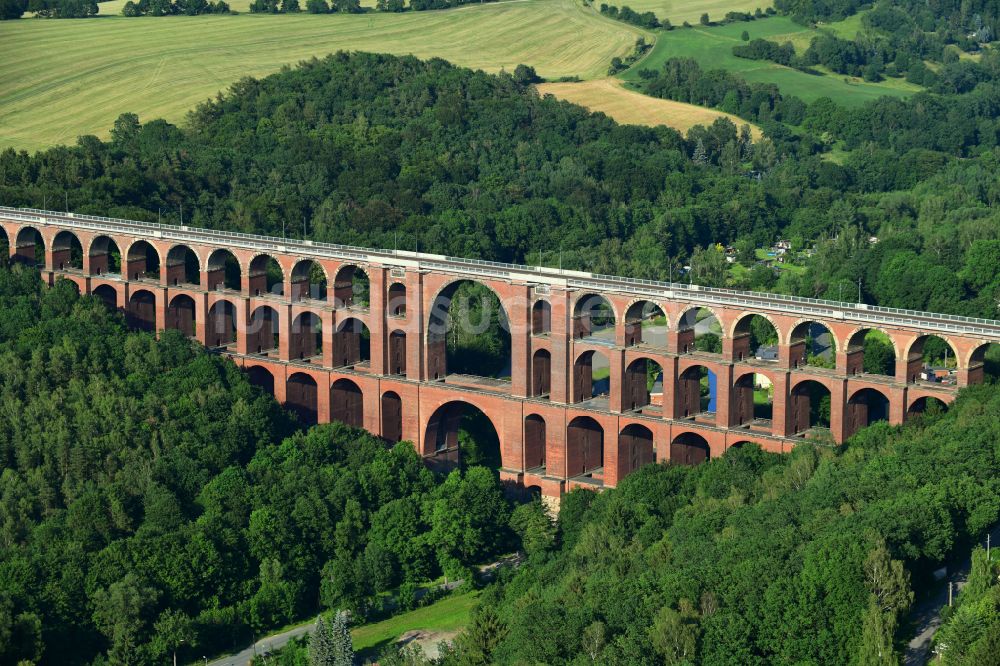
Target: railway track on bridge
x,y
860,313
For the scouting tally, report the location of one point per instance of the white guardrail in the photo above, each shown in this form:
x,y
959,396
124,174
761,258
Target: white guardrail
x,y
778,303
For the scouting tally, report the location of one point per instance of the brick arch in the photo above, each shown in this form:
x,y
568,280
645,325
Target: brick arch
x,y
253,282
825,382
541,315
977,350
816,320
434,339
959,360
535,438
642,299
859,329
128,250
607,299
302,395
747,315
676,325
347,402
636,448
489,406
689,447
635,394
336,287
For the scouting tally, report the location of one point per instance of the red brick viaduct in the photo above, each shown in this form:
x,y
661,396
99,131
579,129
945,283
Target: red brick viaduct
x,y
381,365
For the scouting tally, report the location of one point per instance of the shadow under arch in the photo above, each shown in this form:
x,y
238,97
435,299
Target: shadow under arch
x,y
689,448
347,403
460,434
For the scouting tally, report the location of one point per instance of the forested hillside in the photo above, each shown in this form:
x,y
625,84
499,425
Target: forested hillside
x,y
395,152
756,558
151,498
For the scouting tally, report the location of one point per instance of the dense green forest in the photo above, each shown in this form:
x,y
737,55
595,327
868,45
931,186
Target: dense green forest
x,y
970,635
150,495
394,152
755,558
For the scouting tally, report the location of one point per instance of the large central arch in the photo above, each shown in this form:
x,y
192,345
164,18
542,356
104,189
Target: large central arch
x,y
460,434
468,332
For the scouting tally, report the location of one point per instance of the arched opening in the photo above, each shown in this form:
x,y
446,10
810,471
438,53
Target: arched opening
x,y
594,319
29,247
696,394
541,373
866,407
351,344
142,311
809,407
689,448
181,314
105,257
812,344
541,317
645,324
67,252
984,364
142,262
223,272
183,266
591,376
392,417
351,288
308,281
699,330
265,276
396,300
262,378
468,333
534,444
300,397
221,324
754,336
397,353
635,448
347,403
461,435
108,296
263,333
870,351
4,245
642,376
753,401
585,449
926,407
932,360
306,342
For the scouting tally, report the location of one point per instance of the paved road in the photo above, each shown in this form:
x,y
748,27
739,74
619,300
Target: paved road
x,y
266,644
926,615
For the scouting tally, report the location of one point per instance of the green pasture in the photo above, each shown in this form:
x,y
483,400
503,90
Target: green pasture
x,y
712,48
450,614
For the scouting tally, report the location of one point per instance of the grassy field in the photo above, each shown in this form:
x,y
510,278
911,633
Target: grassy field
x,y
679,11
712,48
442,617
62,78
609,96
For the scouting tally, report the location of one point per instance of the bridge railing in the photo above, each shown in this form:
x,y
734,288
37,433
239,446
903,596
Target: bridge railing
x,y
502,270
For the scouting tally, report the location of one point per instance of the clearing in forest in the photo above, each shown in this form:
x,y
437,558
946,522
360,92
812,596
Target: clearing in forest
x,y
712,47
609,96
